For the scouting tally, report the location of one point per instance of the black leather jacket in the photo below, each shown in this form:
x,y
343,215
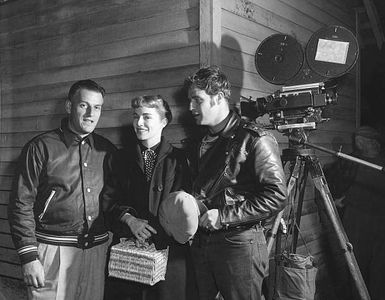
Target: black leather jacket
x,y
241,175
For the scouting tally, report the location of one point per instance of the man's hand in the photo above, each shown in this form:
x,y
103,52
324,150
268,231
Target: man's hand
x,y
340,202
139,227
33,274
210,220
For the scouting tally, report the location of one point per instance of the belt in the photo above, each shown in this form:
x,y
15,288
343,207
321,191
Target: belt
x,y
232,228
83,241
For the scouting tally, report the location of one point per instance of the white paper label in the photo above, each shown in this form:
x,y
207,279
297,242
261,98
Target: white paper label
x,y
332,51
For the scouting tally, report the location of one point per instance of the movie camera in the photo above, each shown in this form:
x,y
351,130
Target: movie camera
x,y
309,80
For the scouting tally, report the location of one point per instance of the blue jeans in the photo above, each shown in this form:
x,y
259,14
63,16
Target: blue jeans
x,y
233,262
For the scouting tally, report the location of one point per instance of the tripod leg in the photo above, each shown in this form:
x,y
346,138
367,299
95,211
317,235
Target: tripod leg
x,y
291,183
276,231
273,233
320,184
277,262
298,215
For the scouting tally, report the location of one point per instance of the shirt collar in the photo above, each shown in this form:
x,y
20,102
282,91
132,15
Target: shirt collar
x,y
154,148
71,138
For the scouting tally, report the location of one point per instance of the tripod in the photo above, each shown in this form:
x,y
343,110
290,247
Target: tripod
x,y
303,162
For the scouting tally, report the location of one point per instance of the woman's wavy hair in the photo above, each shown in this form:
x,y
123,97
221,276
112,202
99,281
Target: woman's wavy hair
x,y
153,101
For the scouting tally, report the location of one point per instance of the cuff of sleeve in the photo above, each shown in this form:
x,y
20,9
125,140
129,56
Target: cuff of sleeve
x,y
201,207
126,210
126,217
28,254
222,220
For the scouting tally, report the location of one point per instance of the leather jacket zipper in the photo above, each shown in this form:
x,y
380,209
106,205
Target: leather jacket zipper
x,y
53,192
216,183
223,173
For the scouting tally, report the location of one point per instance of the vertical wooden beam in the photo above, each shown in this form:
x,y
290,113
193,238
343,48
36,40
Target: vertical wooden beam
x,y
1,108
358,70
375,22
210,13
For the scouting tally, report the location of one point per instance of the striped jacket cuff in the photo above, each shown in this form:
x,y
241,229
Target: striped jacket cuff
x,y
27,253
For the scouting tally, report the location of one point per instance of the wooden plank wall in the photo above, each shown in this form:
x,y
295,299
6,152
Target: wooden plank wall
x,y
141,47
244,25
130,47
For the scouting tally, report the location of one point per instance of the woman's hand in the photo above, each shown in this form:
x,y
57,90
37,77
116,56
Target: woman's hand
x,y
139,227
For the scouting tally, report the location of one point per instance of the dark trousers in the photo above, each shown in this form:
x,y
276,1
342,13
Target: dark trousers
x,y
233,262
366,232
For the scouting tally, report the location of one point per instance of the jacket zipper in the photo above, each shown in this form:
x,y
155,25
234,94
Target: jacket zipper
x,y
216,183
222,174
53,192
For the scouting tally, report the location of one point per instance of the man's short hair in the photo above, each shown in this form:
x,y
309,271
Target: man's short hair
x,y
86,84
211,80
153,101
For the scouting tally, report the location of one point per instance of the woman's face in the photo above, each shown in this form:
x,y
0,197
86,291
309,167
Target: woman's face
x,y
148,125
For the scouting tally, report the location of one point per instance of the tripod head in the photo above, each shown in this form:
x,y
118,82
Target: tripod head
x,y
298,137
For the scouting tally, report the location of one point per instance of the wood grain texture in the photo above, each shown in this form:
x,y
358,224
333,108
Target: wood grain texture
x,y
134,48
4,197
10,270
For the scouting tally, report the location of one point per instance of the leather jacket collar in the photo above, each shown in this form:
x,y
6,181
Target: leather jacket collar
x,y
231,125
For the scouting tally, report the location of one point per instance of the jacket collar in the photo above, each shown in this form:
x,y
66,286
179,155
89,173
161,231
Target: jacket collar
x,y
163,149
231,125
71,138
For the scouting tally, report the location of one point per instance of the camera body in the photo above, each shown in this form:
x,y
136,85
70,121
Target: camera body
x,y
294,104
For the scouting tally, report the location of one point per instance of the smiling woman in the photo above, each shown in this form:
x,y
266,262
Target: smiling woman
x,y
151,115
142,177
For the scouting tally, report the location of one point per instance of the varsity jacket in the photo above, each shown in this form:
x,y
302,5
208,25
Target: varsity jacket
x,y
55,197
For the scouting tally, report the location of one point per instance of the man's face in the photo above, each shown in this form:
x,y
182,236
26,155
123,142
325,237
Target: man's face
x,y
148,125
368,147
203,107
84,111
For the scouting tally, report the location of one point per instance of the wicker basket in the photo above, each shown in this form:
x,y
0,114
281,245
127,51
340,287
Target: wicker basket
x,y
141,264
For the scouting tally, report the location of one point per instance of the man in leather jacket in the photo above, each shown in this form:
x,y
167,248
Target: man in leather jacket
x,y
54,212
239,183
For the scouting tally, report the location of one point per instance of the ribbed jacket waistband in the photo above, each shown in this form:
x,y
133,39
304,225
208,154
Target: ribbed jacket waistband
x,y
83,241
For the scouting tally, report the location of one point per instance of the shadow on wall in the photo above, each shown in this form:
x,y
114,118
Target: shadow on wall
x,y
235,68
232,65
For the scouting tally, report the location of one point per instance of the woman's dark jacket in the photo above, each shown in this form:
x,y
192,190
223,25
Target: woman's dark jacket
x,y
241,175
127,190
